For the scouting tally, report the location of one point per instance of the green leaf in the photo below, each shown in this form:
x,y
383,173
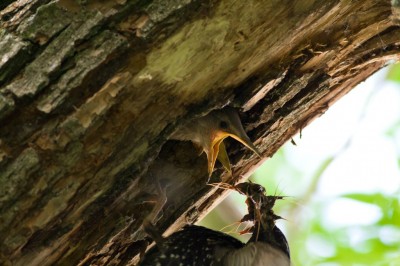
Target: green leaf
x,y
394,73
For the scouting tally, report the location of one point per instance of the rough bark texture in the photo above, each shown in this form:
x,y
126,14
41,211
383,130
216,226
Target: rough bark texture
x,y
90,92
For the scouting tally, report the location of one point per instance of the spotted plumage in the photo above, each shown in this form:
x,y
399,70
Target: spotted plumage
x,y
196,245
193,245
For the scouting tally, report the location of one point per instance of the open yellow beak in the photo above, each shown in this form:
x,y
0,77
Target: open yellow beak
x,y
218,150
246,142
223,158
214,154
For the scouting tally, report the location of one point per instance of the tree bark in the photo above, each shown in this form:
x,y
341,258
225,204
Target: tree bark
x,y
90,92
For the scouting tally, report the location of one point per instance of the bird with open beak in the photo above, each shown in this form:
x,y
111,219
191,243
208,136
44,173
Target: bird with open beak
x,y
208,133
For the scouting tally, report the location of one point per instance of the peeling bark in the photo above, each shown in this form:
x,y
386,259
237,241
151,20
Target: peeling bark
x,y
90,92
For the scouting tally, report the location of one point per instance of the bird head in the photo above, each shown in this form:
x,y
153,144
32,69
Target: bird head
x,y
209,131
222,124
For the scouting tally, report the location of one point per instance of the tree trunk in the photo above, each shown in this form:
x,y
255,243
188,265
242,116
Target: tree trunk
x,y
90,92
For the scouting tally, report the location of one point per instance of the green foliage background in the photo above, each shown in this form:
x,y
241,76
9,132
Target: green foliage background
x,y
313,241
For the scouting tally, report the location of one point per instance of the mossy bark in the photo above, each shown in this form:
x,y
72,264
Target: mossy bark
x,y
90,92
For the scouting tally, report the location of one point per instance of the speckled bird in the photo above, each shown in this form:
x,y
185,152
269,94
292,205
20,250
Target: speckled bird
x,y
208,133
197,245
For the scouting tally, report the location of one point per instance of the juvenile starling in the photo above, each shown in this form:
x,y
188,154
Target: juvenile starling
x,y
208,133
197,245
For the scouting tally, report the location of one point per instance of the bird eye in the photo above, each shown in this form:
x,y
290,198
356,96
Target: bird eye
x,y
223,125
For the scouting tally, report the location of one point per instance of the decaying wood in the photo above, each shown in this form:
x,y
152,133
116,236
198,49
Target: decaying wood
x,y
90,92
